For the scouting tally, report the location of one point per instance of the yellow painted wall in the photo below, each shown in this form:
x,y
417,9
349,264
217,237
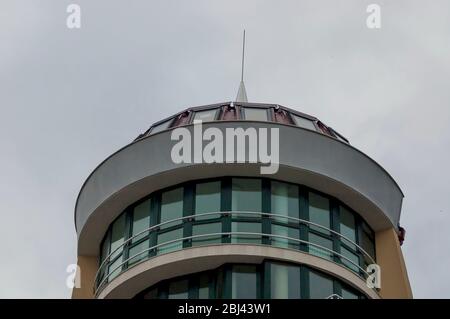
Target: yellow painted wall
x,y
88,267
394,277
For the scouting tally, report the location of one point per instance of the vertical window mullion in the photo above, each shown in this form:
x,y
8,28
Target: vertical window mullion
x,y
266,208
259,281
188,210
335,225
193,286
304,282
266,280
127,234
359,231
155,218
226,207
337,288
227,281
304,215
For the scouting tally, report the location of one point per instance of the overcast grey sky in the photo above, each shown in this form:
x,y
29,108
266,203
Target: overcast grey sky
x,y
69,98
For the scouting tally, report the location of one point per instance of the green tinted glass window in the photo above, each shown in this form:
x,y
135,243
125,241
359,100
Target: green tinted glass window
x,y
348,224
352,259
141,220
138,252
204,229
246,195
320,286
284,200
207,199
166,238
117,236
284,281
321,243
172,205
319,212
114,269
244,282
246,227
348,294
291,232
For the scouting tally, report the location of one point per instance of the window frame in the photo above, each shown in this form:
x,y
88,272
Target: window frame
x,y
268,223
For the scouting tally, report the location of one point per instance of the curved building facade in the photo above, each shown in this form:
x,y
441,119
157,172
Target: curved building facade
x,y
150,226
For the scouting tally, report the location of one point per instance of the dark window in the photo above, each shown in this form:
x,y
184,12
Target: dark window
x,y
207,199
320,286
246,195
178,289
244,282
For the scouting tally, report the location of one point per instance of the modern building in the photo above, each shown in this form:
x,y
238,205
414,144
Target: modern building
x,y
151,228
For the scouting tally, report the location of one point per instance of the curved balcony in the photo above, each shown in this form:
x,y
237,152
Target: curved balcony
x,y
120,259
305,156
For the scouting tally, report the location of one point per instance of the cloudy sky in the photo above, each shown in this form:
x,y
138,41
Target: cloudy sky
x,y
71,97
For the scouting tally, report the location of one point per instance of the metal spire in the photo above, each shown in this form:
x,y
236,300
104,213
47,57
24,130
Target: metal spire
x,y
242,93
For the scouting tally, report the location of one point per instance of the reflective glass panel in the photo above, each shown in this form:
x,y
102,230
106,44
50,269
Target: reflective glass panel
x,y
141,220
245,227
354,259
255,114
348,226
169,236
320,286
291,232
284,200
246,195
207,199
137,252
303,122
348,294
203,229
118,231
321,242
172,205
244,282
114,269
206,115
319,212
161,127
284,281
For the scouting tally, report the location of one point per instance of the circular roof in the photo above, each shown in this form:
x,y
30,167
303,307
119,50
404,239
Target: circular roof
x,y
240,111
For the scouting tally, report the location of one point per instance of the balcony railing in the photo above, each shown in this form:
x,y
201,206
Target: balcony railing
x,y
104,274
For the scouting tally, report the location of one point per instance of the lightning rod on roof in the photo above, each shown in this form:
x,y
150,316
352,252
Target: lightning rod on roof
x,y
242,93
